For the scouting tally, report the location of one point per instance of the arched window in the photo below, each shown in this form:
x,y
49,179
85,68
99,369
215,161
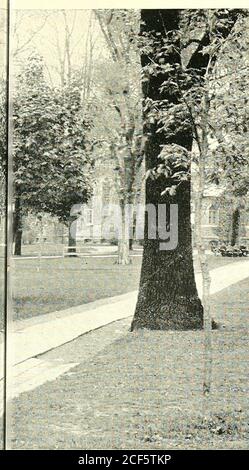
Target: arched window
x,y
214,214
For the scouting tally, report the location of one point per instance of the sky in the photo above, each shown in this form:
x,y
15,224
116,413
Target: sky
x,y
43,32
31,13
40,30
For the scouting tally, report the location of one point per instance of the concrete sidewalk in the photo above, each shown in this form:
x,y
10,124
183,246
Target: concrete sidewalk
x,y
33,337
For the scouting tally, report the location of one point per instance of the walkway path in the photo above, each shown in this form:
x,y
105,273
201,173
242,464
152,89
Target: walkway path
x,y
33,337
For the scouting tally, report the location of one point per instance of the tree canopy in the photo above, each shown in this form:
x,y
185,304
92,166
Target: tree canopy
x,y
52,169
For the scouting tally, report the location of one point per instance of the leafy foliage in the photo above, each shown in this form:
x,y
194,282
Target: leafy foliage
x,y
52,170
208,101
229,113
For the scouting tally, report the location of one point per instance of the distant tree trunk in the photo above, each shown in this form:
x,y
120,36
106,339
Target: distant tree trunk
x,y
235,227
123,252
206,280
124,241
18,243
168,297
17,228
72,239
131,241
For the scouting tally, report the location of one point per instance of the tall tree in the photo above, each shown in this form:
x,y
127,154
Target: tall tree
x,y
52,170
228,125
121,88
168,298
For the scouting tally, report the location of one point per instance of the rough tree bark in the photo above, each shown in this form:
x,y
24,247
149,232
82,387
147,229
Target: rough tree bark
x,y
168,297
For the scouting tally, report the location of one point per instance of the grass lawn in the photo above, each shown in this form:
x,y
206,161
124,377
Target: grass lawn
x,y
66,282
143,390
61,283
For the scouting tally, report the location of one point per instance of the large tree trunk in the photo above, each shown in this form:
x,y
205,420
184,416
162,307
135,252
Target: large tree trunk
x,y
168,297
17,228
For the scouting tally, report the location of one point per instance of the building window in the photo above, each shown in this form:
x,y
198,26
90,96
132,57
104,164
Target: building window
x,y
213,215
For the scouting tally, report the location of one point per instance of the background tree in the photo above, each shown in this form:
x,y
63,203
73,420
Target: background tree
x,y
52,170
228,125
119,93
207,123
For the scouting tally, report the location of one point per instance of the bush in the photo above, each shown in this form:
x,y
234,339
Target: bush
x,y
114,241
